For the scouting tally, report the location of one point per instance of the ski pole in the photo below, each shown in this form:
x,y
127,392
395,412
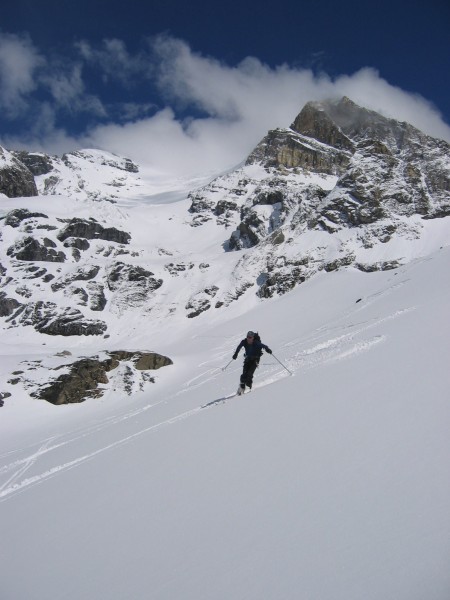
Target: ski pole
x,y
284,367
223,368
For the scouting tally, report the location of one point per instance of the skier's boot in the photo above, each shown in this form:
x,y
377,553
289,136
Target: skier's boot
x,y
241,389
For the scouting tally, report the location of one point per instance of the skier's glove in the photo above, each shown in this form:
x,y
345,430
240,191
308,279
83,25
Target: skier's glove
x,y
269,350
234,356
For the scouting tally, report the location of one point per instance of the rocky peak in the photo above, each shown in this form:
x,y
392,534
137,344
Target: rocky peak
x,y
342,123
317,121
333,136
340,169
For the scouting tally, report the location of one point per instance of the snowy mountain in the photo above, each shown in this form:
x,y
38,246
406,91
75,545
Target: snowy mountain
x,y
342,187
332,240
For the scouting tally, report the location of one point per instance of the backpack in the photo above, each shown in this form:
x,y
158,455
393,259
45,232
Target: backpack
x,y
258,339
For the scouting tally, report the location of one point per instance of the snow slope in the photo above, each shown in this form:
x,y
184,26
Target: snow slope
x,y
328,484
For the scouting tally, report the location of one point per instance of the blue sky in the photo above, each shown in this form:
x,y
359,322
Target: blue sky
x,y
192,85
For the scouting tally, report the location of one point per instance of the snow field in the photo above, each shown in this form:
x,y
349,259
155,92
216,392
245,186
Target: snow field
x,y
331,483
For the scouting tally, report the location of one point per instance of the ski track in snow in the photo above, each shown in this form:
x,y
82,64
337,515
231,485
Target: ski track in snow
x,y
335,348
321,349
7,492
12,486
9,487
326,349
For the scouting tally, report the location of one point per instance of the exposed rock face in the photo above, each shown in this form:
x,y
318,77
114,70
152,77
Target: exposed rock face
x,y
85,174
339,167
15,178
83,377
377,158
31,249
37,163
7,305
385,167
201,302
286,149
96,296
78,243
84,273
51,319
90,230
4,395
131,284
176,269
105,159
316,122
81,382
91,285
15,217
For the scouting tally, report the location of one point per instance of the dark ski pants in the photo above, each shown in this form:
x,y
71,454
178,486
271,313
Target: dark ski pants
x,y
248,371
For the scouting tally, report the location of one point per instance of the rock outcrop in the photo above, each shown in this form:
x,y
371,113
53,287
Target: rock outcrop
x,y
84,174
91,230
53,319
82,379
15,178
41,242
32,249
36,162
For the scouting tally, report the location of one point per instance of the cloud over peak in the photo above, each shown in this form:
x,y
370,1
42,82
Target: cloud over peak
x,y
174,109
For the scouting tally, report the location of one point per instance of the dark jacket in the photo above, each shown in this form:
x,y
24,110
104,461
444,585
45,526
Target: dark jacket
x,y
252,351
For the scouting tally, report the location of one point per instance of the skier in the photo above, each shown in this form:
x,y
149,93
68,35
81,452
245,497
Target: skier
x,y
253,352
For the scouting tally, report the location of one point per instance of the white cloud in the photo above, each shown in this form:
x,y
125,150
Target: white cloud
x,y
19,60
25,72
368,89
253,92
114,61
239,105
68,91
242,103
